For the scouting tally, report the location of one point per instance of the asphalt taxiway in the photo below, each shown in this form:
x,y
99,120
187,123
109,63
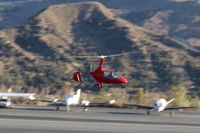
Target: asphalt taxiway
x,y
37,119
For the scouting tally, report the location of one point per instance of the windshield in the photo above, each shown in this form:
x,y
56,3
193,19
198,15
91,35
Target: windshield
x,y
111,75
3,100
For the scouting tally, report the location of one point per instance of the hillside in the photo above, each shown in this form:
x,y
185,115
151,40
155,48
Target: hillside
x,y
178,19
40,54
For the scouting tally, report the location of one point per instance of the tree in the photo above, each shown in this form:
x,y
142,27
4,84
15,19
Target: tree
x,y
139,95
180,93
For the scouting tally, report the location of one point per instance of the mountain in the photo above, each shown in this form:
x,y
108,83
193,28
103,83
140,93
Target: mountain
x,y
41,53
178,19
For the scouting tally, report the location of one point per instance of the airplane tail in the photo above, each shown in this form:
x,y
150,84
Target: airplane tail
x,y
170,100
78,93
77,77
73,98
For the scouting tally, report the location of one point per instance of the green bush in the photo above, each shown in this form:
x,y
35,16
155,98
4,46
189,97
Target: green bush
x,y
180,94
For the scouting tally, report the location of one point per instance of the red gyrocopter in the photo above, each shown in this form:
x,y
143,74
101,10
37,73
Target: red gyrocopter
x,y
103,76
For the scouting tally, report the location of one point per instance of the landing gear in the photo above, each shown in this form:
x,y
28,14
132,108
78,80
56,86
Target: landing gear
x,y
57,108
85,109
171,113
68,108
123,85
148,112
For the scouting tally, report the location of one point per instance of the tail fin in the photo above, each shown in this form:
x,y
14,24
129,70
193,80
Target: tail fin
x,y
170,100
77,77
78,93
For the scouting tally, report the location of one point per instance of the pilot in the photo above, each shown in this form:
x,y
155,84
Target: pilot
x,y
110,75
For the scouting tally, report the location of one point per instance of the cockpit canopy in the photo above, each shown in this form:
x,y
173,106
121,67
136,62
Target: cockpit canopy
x,y
160,102
5,100
112,75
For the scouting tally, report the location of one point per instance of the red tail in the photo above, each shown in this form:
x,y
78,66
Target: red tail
x,y
77,77
100,65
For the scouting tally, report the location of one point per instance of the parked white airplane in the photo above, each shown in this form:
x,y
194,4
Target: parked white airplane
x,y
74,99
5,101
160,105
71,99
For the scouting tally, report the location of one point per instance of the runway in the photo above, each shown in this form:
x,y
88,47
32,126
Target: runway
x,y
37,119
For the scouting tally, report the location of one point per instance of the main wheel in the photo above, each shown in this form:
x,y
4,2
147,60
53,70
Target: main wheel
x,y
57,108
171,113
148,112
123,85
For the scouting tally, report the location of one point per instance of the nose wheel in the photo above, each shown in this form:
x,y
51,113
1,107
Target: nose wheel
x,y
123,85
57,108
171,113
148,112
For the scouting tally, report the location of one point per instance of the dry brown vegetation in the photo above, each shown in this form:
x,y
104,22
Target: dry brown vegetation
x,y
139,96
40,54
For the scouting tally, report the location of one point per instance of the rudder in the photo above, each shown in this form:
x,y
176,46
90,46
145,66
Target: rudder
x,y
77,77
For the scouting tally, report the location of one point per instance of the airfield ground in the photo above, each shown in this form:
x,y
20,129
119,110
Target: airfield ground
x,y
39,119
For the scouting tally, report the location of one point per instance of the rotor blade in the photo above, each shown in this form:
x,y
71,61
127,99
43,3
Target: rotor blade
x,y
126,53
104,56
87,56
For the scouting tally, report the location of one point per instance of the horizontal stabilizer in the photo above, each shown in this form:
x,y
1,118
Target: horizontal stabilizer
x,y
32,97
77,77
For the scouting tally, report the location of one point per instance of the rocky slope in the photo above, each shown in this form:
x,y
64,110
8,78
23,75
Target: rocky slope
x,y
41,52
176,18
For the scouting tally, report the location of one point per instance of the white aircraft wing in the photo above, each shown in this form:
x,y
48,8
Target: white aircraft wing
x,y
54,102
29,95
42,100
139,106
174,108
99,104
